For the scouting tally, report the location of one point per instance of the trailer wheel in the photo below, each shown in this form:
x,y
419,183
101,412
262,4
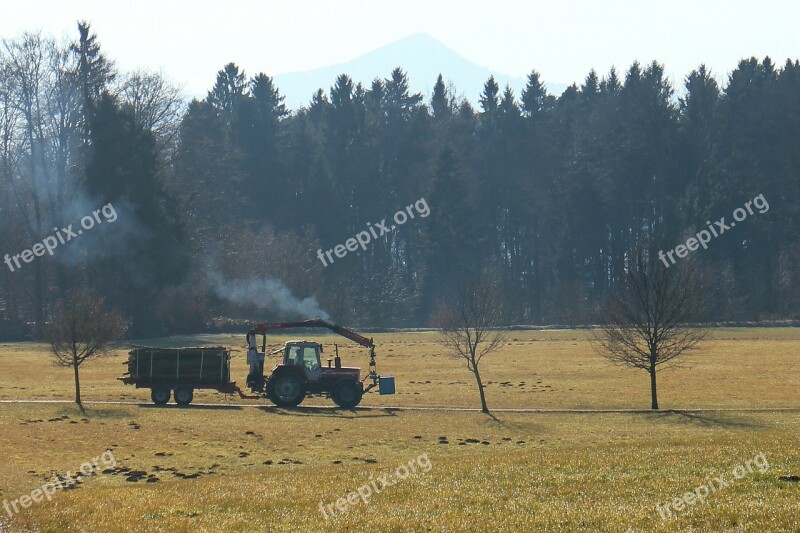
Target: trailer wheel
x,y
184,396
160,396
286,390
347,394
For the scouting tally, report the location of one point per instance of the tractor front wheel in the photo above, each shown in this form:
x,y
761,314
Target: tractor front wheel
x,y
347,394
286,390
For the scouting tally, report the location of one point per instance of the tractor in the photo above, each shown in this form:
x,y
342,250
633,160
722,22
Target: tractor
x,y
301,373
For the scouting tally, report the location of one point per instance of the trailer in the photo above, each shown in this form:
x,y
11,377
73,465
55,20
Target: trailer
x,y
179,371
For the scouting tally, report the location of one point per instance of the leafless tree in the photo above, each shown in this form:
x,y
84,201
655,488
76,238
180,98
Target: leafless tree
x,y
24,76
64,108
42,119
157,105
468,325
81,330
649,322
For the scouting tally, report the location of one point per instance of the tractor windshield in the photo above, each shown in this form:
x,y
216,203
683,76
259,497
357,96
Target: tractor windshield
x,y
311,357
306,356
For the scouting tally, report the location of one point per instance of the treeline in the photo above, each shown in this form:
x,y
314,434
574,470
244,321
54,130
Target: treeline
x,y
225,202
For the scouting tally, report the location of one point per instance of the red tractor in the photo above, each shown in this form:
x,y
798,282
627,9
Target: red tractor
x,y
302,373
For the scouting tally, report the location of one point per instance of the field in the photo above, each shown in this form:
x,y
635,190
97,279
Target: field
x,y
591,458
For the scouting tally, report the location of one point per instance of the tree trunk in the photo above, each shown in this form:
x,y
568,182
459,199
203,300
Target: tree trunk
x,y
38,313
484,408
77,384
653,394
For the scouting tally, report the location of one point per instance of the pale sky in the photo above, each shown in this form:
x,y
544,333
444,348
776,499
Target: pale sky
x,y
190,41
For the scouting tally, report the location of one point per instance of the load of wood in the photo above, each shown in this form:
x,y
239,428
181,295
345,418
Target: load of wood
x,y
198,366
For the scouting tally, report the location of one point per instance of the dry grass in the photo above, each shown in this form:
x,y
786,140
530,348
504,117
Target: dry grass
x,y
740,368
537,472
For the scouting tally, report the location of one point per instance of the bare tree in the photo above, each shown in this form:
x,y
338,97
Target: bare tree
x,y
42,122
24,78
157,105
10,163
64,107
39,108
82,329
467,327
648,323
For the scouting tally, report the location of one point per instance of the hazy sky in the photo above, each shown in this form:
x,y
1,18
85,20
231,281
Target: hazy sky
x,y
190,41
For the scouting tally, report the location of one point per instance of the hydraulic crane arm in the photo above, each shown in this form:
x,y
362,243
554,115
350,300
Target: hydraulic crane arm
x,y
318,323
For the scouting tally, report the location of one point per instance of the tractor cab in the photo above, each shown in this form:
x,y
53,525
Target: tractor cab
x,y
306,355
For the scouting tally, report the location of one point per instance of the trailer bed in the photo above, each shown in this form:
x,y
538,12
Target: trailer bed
x,y
179,370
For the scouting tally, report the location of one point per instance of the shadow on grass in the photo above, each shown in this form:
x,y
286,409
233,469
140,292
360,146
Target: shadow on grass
x,y
329,412
91,412
705,419
528,427
221,407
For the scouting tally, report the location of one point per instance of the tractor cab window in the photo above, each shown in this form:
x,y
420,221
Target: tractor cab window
x,y
311,357
295,355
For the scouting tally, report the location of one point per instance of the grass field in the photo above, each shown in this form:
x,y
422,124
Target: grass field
x,y
227,468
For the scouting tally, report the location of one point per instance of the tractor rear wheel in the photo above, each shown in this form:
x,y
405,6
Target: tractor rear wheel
x,y
184,396
160,396
286,390
347,394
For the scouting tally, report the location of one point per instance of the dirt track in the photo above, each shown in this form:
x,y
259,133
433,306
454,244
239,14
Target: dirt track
x,y
416,408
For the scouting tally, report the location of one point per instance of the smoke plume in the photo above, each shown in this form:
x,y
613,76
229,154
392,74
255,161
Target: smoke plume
x,y
266,293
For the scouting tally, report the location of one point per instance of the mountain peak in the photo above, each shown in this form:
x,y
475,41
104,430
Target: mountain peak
x,y
420,55
419,38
